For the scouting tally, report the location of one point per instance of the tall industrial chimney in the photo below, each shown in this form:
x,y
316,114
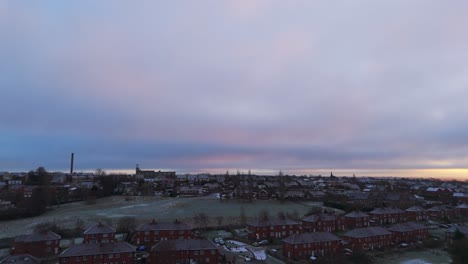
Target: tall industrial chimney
x,y
71,163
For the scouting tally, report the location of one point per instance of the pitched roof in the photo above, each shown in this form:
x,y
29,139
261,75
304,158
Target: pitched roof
x,y
21,259
153,225
462,229
356,214
184,244
439,208
95,249
386,210
311,237
405,227
415,209
462,206
367,232
38,236
320,217
272,222
99,229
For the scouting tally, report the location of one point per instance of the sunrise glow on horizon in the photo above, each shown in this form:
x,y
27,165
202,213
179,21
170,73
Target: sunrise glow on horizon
x,y
307,87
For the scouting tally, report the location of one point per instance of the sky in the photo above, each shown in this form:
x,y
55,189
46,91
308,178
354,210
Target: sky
x,y
306,87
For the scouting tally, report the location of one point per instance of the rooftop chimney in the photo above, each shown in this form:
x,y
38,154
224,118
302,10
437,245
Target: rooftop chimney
x,y
71,162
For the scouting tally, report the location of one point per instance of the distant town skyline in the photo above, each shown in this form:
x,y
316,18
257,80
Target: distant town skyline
x,y
359,87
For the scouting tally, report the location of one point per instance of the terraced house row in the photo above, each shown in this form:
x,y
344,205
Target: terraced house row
x,y
304,245
169,242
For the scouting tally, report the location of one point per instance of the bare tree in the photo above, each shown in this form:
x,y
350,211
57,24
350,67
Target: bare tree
x,y
219,220
79,226
126,224
243,218
201,220
281,215
264,215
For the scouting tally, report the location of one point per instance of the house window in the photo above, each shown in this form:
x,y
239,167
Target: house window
x,y
64,259
111,256
117,255
84,258
77,259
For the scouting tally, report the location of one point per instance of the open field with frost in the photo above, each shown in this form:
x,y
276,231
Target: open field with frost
x,y
147,208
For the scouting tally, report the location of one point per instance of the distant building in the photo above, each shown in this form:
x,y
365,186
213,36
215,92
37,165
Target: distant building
x,y
100,233
37,244
302,246
322,223
115,252
408,232
150,233
368,238
416,213
198,251
356,219
386,215
20,259
272,228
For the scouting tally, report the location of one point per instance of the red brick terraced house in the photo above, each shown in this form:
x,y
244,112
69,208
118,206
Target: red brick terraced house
x,y
408,232
368,238
37,244
386,215
450,232
150,233
356,219
441,212
21,259
100,233
322,223
272,228
462,210
104,253
185,251
302,246
416,213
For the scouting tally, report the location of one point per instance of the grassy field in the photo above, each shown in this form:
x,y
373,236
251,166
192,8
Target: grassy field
x,y
110,209
417,257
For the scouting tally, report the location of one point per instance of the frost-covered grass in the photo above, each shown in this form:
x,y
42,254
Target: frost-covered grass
x,y
147,208
417,257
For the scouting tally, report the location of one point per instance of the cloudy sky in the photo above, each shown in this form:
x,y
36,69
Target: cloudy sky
x,y
363,87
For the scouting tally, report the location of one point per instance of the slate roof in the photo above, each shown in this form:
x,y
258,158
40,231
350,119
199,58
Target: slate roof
x,y
153,225
21,259
38,236
273,222
386,210
99,229
406,227
184,244
439,208
320,217
96,249
311,237
356,214
415,209
367,232
462,206
462,229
